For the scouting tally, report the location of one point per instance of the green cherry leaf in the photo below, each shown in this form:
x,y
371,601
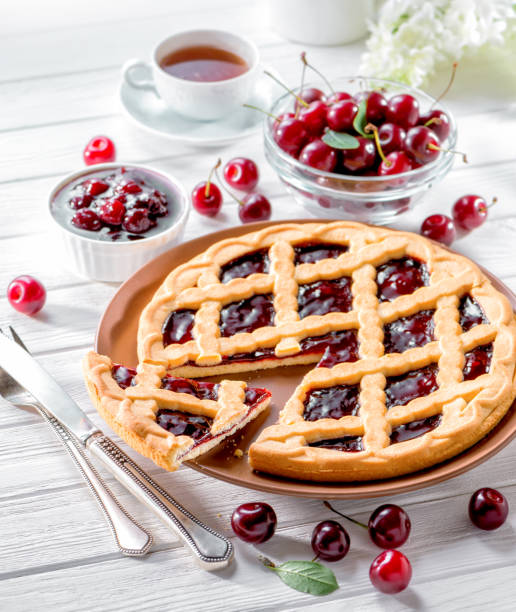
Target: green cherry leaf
x,y
307,577
340,140
360,120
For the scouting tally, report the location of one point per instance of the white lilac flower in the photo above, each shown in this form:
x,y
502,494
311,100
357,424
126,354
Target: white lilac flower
x,y
413,37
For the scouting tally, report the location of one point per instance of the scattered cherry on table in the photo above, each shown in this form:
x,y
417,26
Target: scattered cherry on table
x,y
254,207
488,509
470,212
330,541
254,522
389,526
390,572
241,173
26,294
99,150
440,228
206,196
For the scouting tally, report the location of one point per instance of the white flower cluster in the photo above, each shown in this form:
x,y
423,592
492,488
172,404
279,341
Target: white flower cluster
x,y
412,37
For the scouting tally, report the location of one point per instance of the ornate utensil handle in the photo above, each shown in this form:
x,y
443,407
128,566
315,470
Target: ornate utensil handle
x,y
131,538
211,549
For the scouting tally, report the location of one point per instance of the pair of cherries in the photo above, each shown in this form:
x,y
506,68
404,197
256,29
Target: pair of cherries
x,y
240,173
468,213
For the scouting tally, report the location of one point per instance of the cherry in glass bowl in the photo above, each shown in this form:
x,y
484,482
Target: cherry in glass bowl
x,y
360,196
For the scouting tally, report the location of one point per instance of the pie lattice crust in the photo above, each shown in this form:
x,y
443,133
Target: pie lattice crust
x,y
468,409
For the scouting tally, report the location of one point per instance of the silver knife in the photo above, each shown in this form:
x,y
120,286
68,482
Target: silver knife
x,y
211,549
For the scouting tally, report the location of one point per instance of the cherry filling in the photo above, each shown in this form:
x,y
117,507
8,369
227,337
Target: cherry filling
x,y
202,390
350,444
338,347
255,396
123,376
183,423
241,267
470,313
332,402
409,332
400,277
311,252
477,361
324,296
400,390
178,327
415,429
247,315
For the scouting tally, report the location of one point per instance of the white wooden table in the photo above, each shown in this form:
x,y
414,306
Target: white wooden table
x,y
59,76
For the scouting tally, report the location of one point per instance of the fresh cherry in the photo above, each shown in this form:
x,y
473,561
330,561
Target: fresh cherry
x,y
317,154
291,135
390,572
440,228
469,212
395,163
206,196
376,107
99,150
341,114
137,221
254,207
330,541
392,137
314,117
338,96
241,173
361,158
422,144
488,509
438,121
87,219
112,212
254,522
309,95
26,294
389,526
403,110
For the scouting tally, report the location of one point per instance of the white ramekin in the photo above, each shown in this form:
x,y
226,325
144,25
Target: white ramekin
x,y
116,261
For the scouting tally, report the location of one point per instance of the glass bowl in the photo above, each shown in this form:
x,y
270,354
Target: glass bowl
x,y
369,199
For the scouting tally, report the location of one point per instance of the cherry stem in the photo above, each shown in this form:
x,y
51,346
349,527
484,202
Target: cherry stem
x,y
208,182
493,202
370,127
315,559
330,507
433,147
450,83
261,111
433,120
267,562
224,186
305,62
303,71
300,100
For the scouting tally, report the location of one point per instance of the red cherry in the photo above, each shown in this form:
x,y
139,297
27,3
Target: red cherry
x,y
438,121
440,228
94,187
128,186
26,294
338,96
395,163
78,202
241,173
389,526
390,572
309,95
254,522
341,114
317,154
392,137
291,135
137,221
254,207
87,219
361,158
376,107
207,198
112,212
403,109
330,541
99,150
422,144
488,509
469,212
314,117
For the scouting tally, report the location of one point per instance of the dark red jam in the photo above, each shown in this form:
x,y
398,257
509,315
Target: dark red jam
x,y
247,315
183,423
241,267
178,327
400,277
255,396
409,332
332,402
202,390
477,361
123,376
324,296
471,314
350,444
400,390
338,347
415,429
310,252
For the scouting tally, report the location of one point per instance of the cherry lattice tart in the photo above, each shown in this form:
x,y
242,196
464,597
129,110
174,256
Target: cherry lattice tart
x,y
413,348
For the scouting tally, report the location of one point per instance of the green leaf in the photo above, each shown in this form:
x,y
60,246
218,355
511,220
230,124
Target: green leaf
x,y
340,140
307,577
360,120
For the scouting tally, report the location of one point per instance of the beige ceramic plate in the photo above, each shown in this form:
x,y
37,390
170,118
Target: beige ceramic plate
x,y
116,337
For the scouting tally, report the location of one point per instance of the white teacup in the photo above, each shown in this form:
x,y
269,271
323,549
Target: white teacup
x,y
205,100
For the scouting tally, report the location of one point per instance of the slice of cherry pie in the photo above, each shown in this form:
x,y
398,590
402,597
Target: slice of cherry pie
x,y
166,418
415,349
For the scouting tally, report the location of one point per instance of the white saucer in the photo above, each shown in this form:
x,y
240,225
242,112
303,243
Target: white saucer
x,y
146,109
